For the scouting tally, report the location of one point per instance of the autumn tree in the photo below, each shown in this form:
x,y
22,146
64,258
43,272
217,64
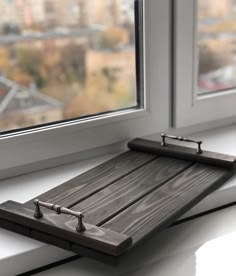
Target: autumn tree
x,y
30,61
73,62
97,98
110,74
111,38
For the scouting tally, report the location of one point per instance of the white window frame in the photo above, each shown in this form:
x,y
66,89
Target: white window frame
x,y
191,109
37,149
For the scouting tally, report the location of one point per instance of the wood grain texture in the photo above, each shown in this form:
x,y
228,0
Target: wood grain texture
x,y
112,200
123,200
58,226
162,207
79,249
174,151
79,188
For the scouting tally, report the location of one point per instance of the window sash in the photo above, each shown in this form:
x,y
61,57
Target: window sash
x,y
45,147
191,109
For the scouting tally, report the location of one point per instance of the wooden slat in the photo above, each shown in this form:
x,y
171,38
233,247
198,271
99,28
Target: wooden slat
x,y
162,207
97,238
43,237
107,203
207,157
94,180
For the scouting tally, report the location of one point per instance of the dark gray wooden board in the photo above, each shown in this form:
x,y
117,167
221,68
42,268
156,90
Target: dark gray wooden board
x,y
112,200
166,204
123,200
185,153
59,227
81,187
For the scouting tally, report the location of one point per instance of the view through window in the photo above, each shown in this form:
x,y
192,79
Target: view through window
x,y
216,45
65,59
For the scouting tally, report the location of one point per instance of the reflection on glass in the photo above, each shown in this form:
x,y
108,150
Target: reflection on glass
x,y
65,59
216,45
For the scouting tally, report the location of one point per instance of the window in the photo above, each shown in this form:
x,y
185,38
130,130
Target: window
x,y
66,60
204,61
138,108
216,46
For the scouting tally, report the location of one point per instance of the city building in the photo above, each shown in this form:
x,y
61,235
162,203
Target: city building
x,y
21,106
97,12
63,13
122,62
8,13
216,8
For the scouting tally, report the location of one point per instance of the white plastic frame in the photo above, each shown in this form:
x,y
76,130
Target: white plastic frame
x,y
191,109
33,150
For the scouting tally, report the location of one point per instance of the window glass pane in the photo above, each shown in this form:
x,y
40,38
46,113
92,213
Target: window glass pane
x,y
65,59
216,45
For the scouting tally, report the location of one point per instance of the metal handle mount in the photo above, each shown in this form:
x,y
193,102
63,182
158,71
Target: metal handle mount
x,y
59,210
164,144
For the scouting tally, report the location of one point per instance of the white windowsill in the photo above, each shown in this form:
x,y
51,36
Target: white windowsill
x,y
19,254
201,247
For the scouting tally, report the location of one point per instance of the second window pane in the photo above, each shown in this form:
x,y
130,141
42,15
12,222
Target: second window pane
x,y
65,59
216,45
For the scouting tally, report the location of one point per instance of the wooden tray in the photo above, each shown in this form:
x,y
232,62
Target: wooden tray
x,y
122,200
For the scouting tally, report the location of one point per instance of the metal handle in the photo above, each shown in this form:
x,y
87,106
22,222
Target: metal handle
x,y
59,210
199,143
